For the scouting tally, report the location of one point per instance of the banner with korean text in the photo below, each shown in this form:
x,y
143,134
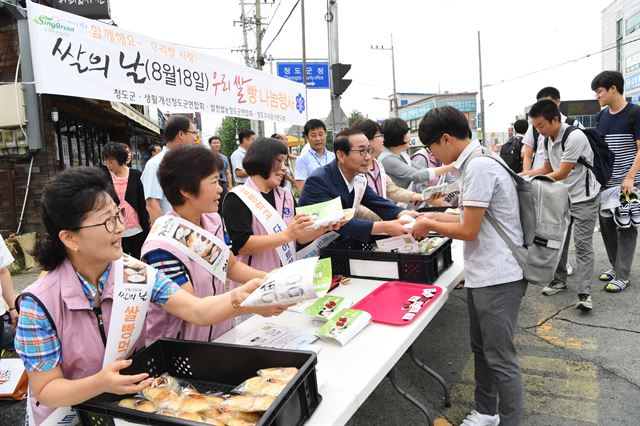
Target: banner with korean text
x,y
74,56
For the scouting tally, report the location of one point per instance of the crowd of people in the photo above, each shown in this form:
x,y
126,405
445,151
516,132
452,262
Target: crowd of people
x,y
94,216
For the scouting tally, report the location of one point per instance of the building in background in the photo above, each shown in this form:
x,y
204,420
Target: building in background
x,y
621,30
418,105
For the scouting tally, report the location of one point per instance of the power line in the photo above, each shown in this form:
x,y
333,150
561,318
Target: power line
x,y
281,27
561,64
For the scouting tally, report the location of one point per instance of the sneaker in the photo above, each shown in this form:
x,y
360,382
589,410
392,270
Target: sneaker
x,y
616,286
569,270
634,208
607,275
622,216
554,287
584,302
476,419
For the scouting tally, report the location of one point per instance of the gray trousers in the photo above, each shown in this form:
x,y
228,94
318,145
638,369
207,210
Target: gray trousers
x,y
620,245
493,314
583,221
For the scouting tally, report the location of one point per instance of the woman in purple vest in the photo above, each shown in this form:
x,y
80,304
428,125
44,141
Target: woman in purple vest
x,y
65,315
189,179
265,163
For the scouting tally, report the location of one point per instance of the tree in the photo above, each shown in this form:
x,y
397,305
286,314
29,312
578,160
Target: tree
x,y
229,132
355,114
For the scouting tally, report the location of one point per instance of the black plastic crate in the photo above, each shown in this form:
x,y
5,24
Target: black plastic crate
x,y
213,367
415,268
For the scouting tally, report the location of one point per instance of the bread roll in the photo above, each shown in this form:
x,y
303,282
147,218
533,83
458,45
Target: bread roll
x,y
181,415
138,404
214,400
284,374
248,403
261,386
194,403
163,398
166,382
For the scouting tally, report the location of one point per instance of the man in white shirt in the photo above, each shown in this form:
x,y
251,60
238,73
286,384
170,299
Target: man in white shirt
x,y
494,280
245,139
532,155
178,131
317,155
563,151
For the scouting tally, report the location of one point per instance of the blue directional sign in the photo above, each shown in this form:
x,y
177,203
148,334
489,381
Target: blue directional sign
x,y
317,73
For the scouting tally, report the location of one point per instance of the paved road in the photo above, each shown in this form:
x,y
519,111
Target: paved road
x,y
579,369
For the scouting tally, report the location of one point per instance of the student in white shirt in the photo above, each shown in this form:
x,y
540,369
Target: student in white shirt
x,y
494,280
561,155
245,139
532,155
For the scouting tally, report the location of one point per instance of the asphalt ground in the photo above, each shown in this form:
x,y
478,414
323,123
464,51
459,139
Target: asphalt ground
x,y
578,369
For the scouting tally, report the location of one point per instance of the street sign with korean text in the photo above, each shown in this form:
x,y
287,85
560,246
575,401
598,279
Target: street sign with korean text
x,y
317,73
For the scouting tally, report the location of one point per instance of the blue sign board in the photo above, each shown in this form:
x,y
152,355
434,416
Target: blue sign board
x,y
317,73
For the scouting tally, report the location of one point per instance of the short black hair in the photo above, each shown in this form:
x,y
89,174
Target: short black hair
x,y
312,124
174,125
521,126
548,92
262,155
439,121
367,126
546,109
153,147
67,199
117,151
394,130
341,142
245,134
214,137
606,79
183,169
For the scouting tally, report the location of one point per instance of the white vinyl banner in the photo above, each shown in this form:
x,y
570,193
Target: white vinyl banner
x,y
75,56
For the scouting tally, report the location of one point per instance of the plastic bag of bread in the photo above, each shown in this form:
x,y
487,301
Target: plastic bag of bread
x,y
181,415
248,403
261,386
163,398
284,374
232,417
138,404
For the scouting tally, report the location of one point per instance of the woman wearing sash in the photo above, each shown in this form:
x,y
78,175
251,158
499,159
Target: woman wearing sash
x,y
187,243
259,215
69,329
395,160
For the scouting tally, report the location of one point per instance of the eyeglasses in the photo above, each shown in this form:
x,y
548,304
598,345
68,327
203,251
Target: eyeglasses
x,y
427,147
109,224
195,132
363,151
379,135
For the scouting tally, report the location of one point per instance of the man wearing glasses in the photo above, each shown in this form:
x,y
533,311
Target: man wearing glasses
x,y
343,178
178,131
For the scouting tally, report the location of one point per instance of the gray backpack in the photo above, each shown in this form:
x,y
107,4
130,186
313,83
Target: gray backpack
x,y
545,218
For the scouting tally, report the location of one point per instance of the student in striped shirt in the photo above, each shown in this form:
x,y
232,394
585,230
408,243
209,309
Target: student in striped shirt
x,y
619,123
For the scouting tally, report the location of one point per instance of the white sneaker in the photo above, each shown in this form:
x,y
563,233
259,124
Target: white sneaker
x,y
569,269
476,419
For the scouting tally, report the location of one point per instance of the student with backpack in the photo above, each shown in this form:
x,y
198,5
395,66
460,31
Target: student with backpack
x,y
619,123
569,158
533,156
512,151
494,278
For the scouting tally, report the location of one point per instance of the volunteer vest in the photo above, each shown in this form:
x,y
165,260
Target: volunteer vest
x,y
269,260
162,324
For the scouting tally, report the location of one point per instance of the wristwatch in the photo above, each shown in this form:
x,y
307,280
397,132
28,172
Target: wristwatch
x,y
234,299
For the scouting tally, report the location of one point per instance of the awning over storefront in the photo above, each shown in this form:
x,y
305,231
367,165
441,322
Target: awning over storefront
x,y
134,115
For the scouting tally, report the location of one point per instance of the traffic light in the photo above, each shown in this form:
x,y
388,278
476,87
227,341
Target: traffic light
x,y
340,84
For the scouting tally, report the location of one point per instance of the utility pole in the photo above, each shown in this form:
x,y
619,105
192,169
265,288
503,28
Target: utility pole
x,y
304,59
336,116
483,117
259,59
393,74
245,44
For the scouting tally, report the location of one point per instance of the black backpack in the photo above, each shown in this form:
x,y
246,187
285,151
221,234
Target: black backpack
x,y
510,153
603,157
